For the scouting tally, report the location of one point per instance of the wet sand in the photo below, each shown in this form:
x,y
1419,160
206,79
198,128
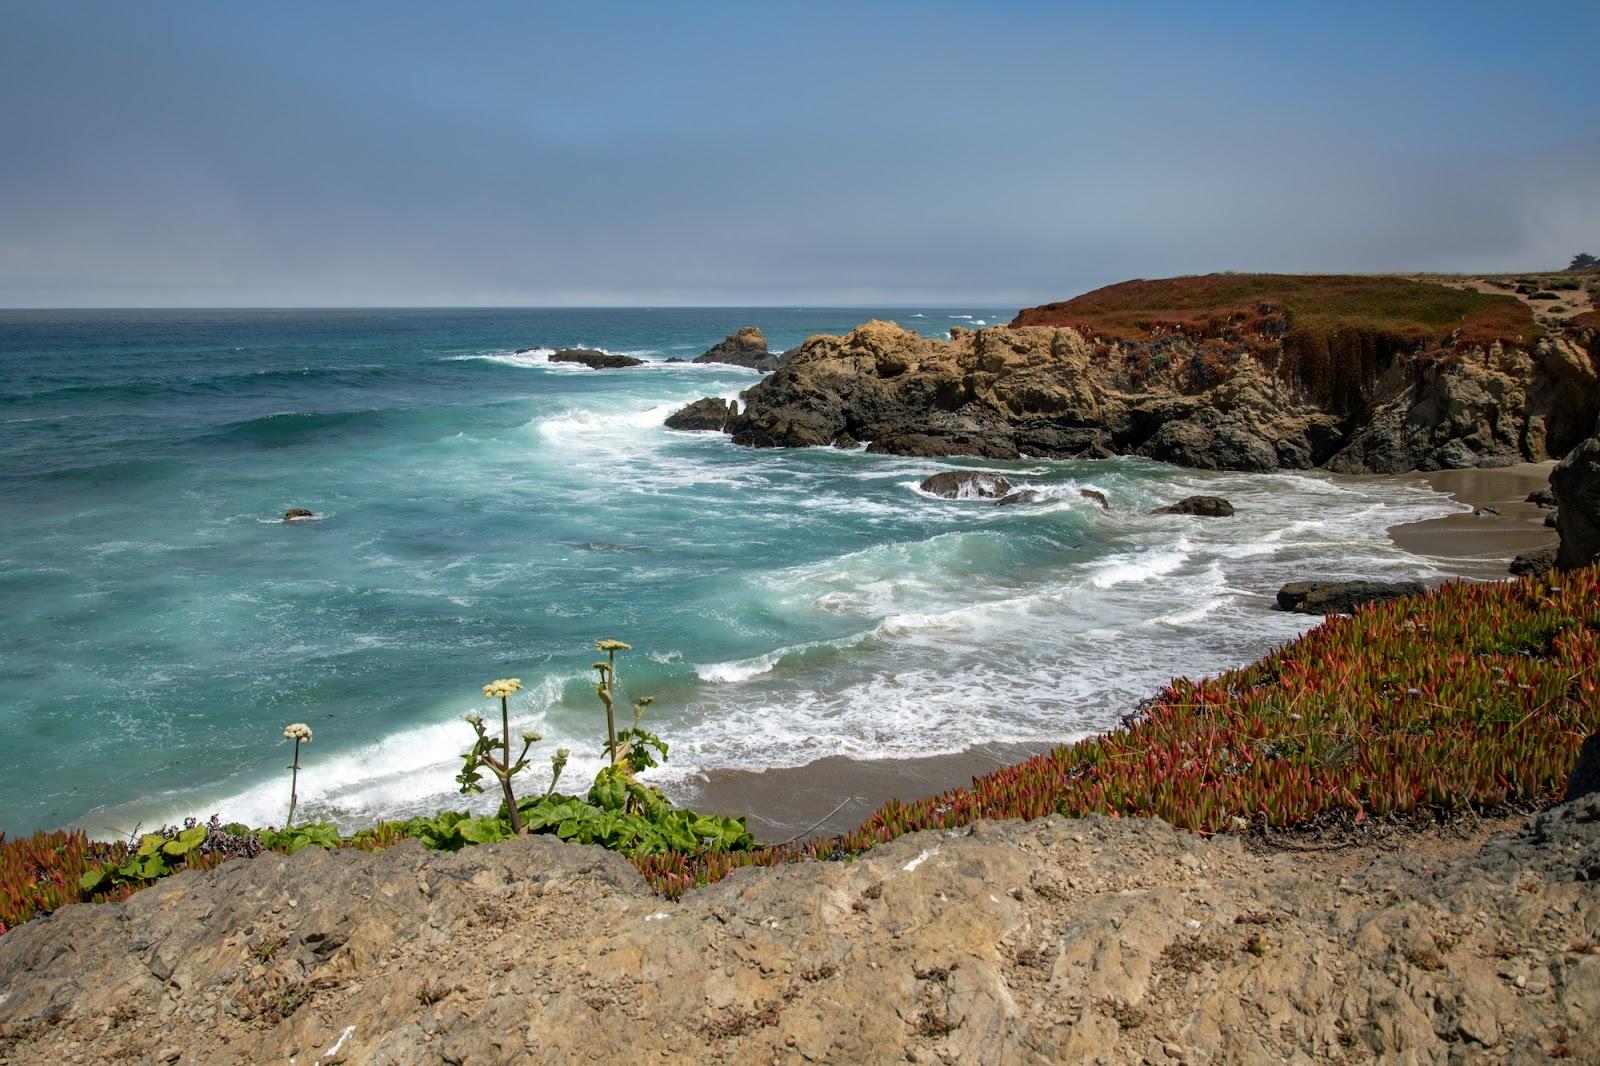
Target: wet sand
x,y
797,801
1481,545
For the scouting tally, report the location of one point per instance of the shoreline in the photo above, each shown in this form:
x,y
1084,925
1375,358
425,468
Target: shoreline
x,y
783,802
1480,547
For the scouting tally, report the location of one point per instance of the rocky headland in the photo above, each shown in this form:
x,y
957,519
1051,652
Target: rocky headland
x,y
1226,372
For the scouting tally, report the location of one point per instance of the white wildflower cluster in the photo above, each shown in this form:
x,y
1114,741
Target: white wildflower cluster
x,y
297,731
499,690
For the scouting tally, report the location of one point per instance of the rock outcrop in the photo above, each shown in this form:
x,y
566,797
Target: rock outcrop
x,y
1203,506
1534,563
746,348
1252,390
966,485
296,513
1576,484
713,412
594,359
1342,597
1106,940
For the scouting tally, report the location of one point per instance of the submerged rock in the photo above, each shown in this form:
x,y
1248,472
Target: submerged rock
x,y
594,359
713,412
1342,597
1097,496
1201,506
1023,496
966,485
746,348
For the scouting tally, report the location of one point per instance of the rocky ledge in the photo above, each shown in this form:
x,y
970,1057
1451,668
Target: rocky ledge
x,y
1249,372
1063,941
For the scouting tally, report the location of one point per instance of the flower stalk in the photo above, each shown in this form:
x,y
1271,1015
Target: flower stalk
x,y
300,733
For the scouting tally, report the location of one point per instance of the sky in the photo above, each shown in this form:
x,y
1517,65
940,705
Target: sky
x,y
540,154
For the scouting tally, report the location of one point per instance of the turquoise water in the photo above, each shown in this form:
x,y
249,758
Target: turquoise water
x,y
483,514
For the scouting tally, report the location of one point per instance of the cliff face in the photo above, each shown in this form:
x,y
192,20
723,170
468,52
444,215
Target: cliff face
x,y
1117,940
1212,403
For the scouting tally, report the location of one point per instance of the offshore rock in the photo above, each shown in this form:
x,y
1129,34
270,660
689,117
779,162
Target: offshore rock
x,y
746,348
1342,597
1203,506
713,412
1022,496
297,512
1055,940
594,359
966,485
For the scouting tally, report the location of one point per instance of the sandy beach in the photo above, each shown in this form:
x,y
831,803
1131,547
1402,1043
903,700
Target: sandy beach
x,y
805,800
1480,546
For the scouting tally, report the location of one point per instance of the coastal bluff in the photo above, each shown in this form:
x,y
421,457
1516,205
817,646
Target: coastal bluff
x,y
1352,374
1098,939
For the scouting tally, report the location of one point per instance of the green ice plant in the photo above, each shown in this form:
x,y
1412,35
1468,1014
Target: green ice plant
x,y
300,733
482,752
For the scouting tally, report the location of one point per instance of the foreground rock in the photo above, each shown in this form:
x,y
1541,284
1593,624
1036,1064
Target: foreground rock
x,y
1243,390
1534,563
1576,484
1203,506
1342,597
594,359
1117,941
709,413
967,485
746,348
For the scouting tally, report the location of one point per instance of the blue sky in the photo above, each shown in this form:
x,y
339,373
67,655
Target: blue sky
x,y
204,154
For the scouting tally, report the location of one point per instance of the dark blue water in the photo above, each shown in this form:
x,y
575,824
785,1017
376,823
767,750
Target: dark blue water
x,y
483,514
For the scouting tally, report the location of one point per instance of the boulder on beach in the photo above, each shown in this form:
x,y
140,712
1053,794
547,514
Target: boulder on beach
x,y
297,512
1342,597
1020,496
746,348
594,359
966,485
1202,506
1535,562
712,413
1576,484
1543,498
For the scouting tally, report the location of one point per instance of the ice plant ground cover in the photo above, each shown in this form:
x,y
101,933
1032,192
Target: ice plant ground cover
x,y
1470,697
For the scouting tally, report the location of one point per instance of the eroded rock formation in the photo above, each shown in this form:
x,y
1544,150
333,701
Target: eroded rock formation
x,y
1251,395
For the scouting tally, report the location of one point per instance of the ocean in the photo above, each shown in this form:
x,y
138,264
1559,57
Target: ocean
x,y
482,514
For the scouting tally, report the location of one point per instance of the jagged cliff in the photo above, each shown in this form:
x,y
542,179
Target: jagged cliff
x,y
1378,375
